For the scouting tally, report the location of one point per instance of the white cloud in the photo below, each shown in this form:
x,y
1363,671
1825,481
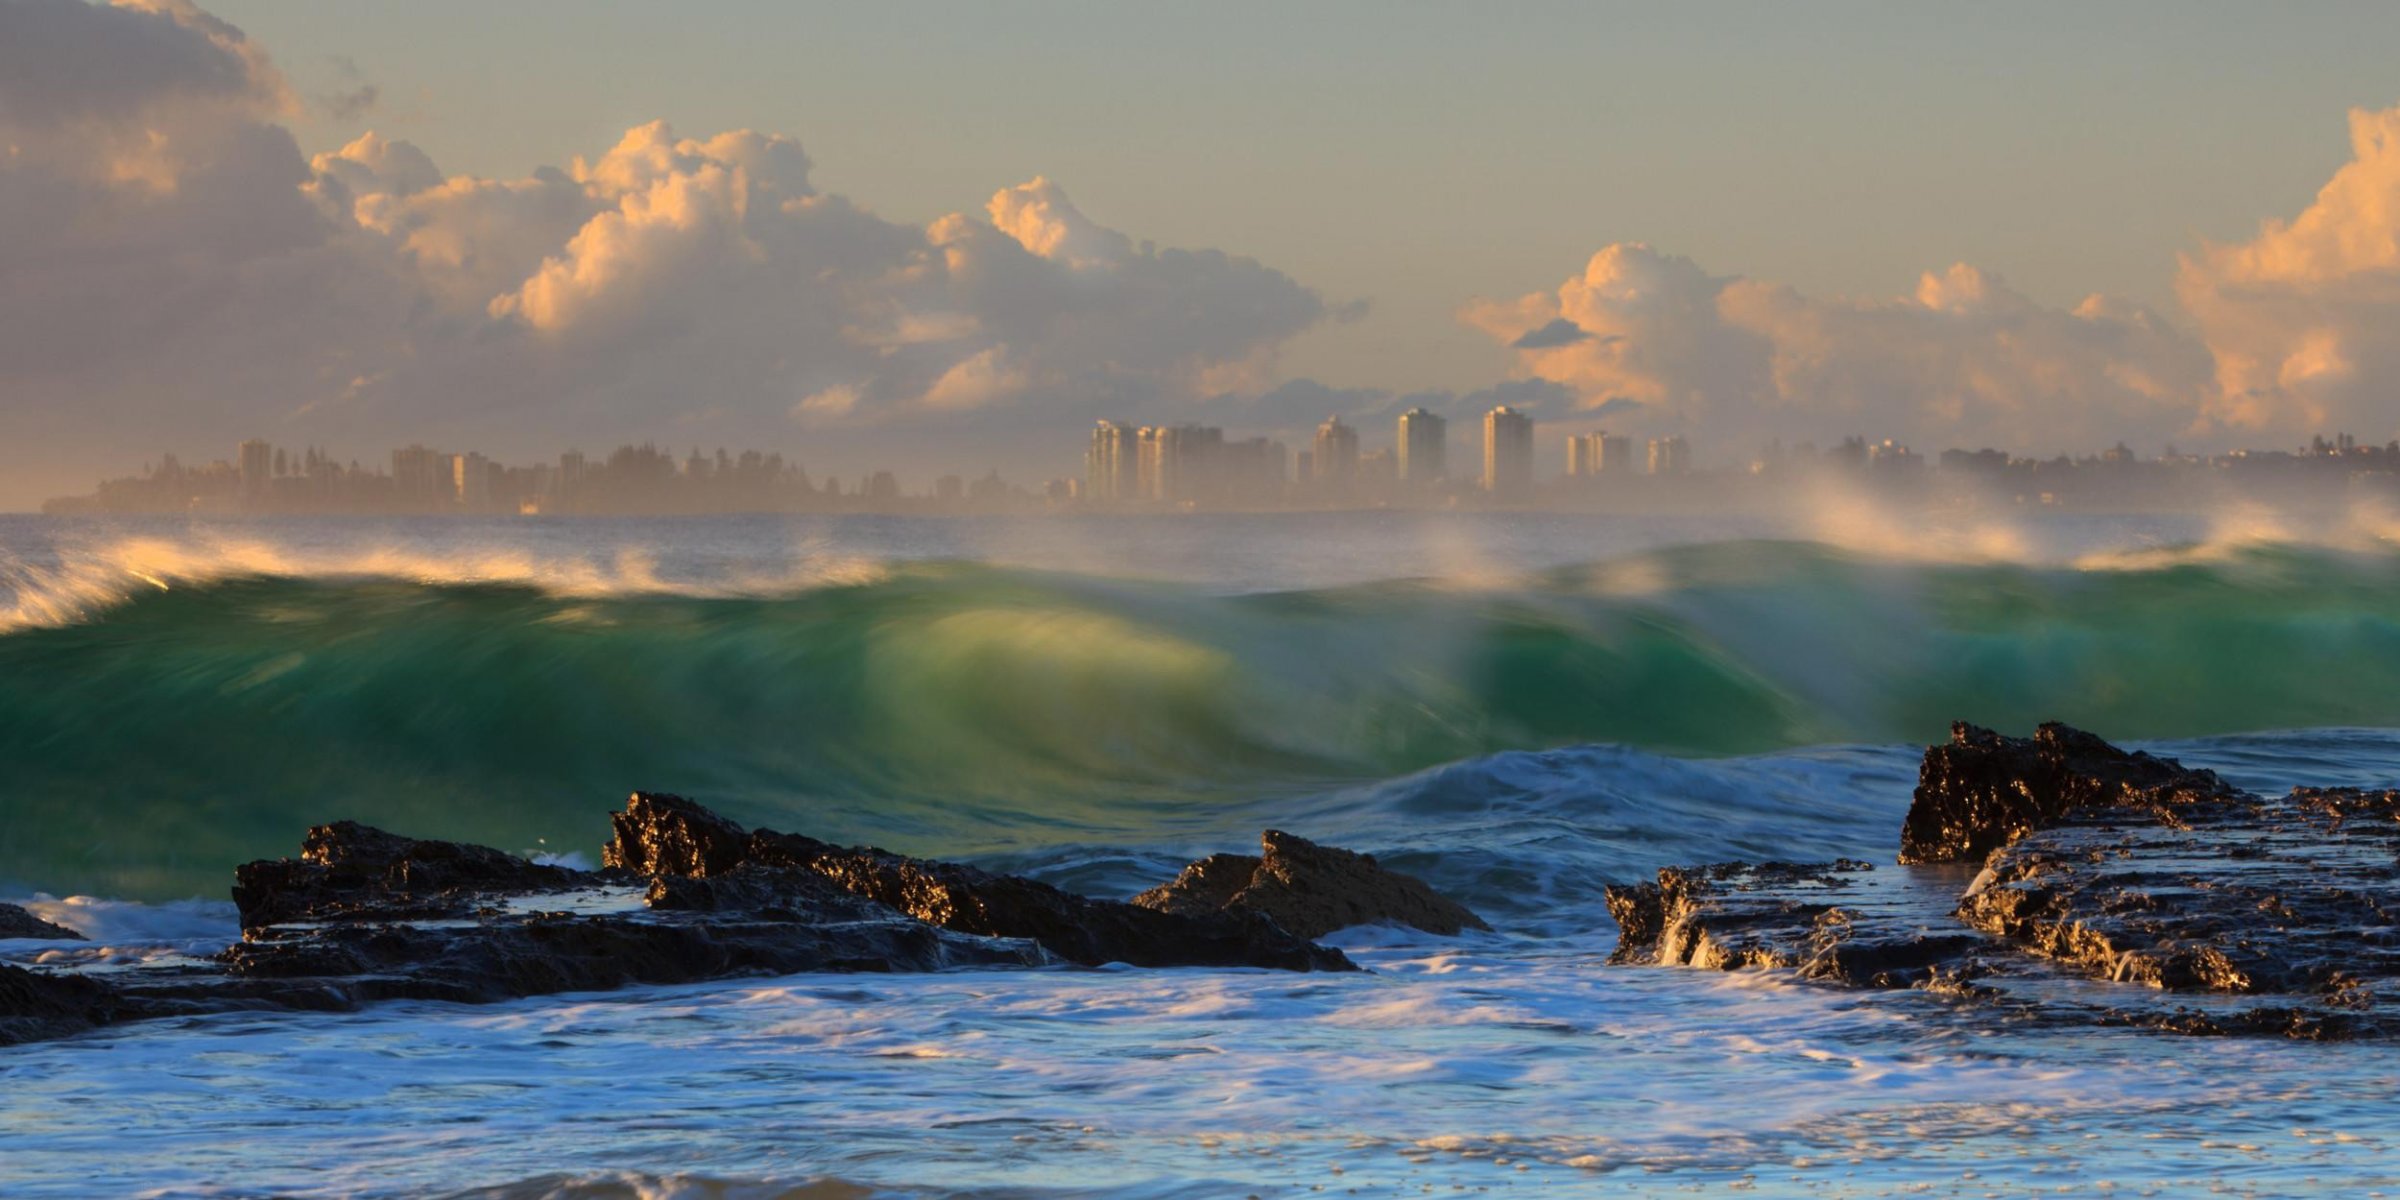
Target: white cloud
x,y
2304,319
166,251
1964,360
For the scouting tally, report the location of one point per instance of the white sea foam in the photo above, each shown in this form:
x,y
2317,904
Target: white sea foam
x,y
1474,1065
90,576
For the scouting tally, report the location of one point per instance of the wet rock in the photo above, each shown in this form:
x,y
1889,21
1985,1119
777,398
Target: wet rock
x,y
1309,890
15,922
1730,915
364,915
539,953
347,869
1982,790
660,835
35,1005
2225,912
2292,896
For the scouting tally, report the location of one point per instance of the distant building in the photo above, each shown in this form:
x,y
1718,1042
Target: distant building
x,y
1112,468
1888,455
949,487
1424,445
257,459
1582,451
1507,452
421,476
1612,454
471,480
1336,452
1670,456
1253,471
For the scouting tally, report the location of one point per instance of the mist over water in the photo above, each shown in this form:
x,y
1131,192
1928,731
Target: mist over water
x,y
1519,708
177,700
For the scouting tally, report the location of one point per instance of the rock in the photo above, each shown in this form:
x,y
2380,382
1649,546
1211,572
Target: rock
x,y
347,868
2231,913
2293,896
364,915
35,1005
15,922
539,953
661,836
1983,791
1309,890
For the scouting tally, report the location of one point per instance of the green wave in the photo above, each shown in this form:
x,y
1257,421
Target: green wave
x,y
957,708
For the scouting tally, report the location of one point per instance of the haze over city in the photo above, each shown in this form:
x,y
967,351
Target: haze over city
x,y
946,241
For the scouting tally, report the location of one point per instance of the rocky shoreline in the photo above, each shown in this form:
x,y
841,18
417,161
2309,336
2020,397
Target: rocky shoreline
x,y
2052,879
2058,878
363,915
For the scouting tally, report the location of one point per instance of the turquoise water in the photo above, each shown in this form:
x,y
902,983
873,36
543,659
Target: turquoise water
x,y
1519,709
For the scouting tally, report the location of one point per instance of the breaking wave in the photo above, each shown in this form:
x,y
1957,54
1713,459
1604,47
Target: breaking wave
x,y
165,714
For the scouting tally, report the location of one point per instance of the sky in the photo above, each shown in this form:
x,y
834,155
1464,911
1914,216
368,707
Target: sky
x,y
946,237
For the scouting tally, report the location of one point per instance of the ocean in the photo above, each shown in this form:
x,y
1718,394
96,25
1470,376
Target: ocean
x,y
1519,708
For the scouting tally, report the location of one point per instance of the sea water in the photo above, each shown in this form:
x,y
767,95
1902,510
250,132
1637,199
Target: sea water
x,y
1520,709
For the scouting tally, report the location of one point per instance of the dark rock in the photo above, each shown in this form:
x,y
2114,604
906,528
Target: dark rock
x,y
35,1005
1729,915
541,953
15,922
1983,791
2234,914
347,869
2296,896
1310,890
660,835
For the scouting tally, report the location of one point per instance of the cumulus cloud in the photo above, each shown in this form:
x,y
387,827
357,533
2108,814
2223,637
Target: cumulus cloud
x,y
2293,332
166,249
1963,359
2304,319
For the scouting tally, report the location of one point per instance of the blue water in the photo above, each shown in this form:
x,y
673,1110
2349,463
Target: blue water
x,y
1519,709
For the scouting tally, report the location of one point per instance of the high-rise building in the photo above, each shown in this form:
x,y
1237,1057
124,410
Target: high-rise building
x,y
1336,452
471,480
1612,454
1112,467
1507,451
1601,453
1149,460
1253,471
1669,456
1424,445
258,464
1580,450
422,476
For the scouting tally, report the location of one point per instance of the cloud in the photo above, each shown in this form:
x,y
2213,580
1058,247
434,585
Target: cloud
x,y
1965,359
2304,319
167,252
1561,332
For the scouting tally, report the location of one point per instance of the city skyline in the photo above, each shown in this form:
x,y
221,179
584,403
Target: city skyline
x,y
1192,467
224,221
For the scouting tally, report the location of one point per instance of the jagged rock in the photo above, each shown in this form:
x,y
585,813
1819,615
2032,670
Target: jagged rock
x,y
1983,791
2235,914
348,869
15,922
1731,915
2294,896
1310,890
662,835
365,915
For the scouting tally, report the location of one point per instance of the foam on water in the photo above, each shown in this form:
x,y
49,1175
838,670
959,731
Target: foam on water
x,y
1487,1064
1519,710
